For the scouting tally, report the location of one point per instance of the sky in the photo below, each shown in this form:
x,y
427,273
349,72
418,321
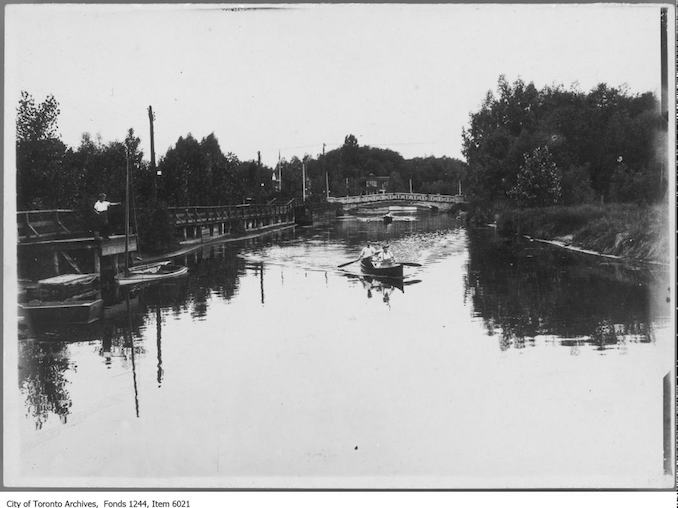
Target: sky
x,y
287,80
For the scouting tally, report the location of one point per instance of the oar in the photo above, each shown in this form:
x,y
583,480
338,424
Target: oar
x,y
346,264
409,264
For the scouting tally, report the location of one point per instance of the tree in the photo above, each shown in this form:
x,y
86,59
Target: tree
x,y
586,131
36,122
538,182
42,181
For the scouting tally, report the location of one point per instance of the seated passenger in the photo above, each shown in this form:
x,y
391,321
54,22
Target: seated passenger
x,y
386,257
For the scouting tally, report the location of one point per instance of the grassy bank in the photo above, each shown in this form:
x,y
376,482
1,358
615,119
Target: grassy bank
x,y
631,231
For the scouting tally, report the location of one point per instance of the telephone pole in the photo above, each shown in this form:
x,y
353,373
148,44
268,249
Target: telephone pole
x,y
303,181
151,117
327,183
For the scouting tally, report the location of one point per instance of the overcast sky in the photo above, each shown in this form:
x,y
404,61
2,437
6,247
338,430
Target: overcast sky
x,y
404,77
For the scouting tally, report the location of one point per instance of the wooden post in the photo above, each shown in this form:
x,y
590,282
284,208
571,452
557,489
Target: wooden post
x,y
97,260
303,181
155,184
126,210
55,260
327,182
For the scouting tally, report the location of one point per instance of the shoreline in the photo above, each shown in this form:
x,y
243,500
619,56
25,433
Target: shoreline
x,y
625,232
563,245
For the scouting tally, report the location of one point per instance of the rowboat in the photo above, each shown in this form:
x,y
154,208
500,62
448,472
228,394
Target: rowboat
x,y
151,272
395,271
388,218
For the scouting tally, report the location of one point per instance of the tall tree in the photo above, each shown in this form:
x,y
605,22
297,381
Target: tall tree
x,y
42,181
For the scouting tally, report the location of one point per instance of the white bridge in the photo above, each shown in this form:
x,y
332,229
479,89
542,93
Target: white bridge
x,y
439,201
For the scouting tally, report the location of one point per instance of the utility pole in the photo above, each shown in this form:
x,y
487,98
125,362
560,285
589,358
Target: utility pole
x,y
459,187
410,186
126,210
327,182
279,173
151,117
303,181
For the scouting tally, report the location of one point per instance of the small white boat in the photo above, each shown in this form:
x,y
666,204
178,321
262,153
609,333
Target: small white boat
x,y
151,272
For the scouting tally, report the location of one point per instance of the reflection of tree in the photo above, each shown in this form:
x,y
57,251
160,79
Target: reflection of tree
x,y
42,367
523,289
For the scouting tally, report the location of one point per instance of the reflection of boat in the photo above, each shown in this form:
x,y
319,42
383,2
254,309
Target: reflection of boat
x,y
384,283
69,298
369,267
151,272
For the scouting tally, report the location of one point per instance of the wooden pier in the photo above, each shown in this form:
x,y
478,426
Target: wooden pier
x,y
53,242
200,223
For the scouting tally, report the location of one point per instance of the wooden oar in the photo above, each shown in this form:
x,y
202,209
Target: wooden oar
x,y
409,264
350,262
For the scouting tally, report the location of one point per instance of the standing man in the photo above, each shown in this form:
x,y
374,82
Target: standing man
x,y
101,210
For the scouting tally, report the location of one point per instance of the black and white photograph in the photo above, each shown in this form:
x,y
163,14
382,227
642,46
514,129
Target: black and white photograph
x,y
339,247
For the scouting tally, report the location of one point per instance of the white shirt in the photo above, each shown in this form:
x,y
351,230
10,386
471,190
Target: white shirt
x,y
102,206
367,252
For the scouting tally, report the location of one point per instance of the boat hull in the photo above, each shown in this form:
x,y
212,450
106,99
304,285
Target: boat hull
x,y
82,312
392,271
140,276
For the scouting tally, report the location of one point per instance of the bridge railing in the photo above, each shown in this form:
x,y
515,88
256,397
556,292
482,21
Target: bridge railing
x,y
397,196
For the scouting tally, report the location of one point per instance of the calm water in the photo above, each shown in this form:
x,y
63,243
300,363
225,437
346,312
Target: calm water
x,y
496,364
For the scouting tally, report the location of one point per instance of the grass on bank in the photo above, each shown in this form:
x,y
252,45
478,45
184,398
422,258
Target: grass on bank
x,y
627,230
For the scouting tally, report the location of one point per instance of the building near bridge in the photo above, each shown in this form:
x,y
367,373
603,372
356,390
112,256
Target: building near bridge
x,y
376,184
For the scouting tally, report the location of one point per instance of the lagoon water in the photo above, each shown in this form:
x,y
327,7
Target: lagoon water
x,y
497,364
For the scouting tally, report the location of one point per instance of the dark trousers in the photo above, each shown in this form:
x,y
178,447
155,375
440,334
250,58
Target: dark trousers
x,y
102,224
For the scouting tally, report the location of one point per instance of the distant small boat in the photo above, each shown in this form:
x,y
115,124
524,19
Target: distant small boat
x,y
151,272
388,218
395,271
402,209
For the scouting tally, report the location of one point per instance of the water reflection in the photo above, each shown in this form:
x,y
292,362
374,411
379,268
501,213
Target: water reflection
x,y
42,380
523,289
253,321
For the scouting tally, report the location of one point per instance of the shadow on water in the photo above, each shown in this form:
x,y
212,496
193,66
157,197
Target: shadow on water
x,y
523,289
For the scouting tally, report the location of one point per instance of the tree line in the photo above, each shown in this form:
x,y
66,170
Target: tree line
x,y
528,147
524,147
193,172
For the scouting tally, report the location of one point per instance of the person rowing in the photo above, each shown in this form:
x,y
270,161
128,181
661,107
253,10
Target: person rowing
x,y
367,252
